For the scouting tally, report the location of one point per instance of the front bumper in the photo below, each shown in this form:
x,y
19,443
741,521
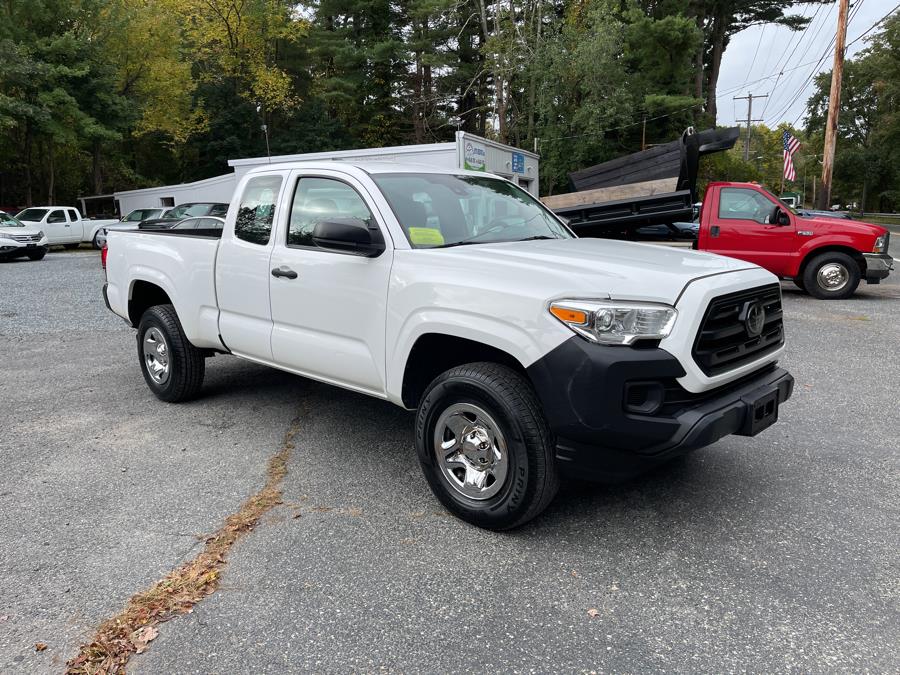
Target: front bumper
x,y
878,266
15,249
600,438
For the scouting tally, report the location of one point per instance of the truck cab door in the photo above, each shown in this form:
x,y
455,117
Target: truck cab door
x,y
76,226
57,227
739,227
242,269
328,306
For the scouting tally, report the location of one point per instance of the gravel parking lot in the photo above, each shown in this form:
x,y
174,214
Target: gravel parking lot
x,y
775,553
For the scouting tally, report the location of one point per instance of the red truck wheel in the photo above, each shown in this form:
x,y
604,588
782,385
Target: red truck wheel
x,y
831,276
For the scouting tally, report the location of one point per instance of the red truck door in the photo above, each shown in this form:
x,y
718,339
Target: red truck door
x,y
738,226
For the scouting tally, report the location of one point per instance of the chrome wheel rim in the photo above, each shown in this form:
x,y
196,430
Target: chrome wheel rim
x,y
471,451
156,355
832,276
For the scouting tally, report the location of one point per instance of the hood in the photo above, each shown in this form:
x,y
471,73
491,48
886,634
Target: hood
x,y
589,267
30,230
823,224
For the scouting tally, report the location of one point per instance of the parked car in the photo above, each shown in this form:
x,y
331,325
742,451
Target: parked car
x,y
182,211
62,224
526,352
826,257
809,213
18,240
129,222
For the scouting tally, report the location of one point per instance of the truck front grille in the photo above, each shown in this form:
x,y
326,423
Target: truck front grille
x,y
24,238
733,332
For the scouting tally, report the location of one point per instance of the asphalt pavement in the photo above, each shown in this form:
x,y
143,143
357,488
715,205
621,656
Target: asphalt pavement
x,y
774,553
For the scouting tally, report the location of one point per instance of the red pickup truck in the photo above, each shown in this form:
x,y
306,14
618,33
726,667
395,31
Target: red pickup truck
x,y
826,257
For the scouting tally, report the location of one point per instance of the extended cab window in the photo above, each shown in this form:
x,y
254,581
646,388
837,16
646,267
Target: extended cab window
x,y
56,217
257,209
318,199
744,204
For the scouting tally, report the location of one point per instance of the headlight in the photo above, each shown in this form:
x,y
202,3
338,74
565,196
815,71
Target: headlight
x,y
880,244
615,323
40,234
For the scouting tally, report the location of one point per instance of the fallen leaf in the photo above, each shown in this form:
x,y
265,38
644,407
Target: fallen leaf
x,y
39,646
142,636
4,617
593,612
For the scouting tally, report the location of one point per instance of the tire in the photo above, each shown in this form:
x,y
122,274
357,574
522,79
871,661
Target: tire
x,y
94,244
175,372
497,412
36,255
71,247
798,282
831,276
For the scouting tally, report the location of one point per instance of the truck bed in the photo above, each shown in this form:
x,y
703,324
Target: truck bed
x,y
181,262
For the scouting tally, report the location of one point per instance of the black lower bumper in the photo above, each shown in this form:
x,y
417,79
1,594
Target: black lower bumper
x,y
878,266
601,437
11,252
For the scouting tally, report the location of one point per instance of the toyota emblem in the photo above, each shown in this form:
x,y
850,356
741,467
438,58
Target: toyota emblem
x,y
755,319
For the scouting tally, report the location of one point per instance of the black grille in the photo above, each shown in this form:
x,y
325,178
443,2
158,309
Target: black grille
x,y
724,341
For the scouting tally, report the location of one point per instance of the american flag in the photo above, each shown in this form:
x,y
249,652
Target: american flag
x,y
791,145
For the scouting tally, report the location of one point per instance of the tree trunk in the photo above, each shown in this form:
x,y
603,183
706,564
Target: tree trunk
x,y
98,176
718,48
51,177
29,199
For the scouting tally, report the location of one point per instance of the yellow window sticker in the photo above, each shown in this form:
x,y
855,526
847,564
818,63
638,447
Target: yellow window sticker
x,y
426,236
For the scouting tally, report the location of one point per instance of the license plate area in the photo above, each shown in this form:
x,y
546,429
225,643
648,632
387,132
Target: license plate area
x,y
762,412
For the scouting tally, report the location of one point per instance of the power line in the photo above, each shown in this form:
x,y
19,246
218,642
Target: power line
x,y
815,71
778,98
874,26
801,90
788,59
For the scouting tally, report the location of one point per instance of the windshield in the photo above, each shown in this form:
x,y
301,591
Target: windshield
x,y
438,210
32,214
140,214
7,220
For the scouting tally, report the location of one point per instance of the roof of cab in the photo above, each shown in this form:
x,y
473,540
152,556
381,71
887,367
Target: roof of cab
x,y
371,167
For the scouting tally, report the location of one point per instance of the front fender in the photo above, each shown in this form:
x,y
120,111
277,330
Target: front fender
x,y
524,345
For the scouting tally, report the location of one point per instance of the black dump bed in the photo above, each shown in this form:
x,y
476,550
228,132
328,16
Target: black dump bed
x,y
654,186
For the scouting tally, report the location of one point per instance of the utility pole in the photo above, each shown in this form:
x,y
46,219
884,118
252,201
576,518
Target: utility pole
x,y
749,98
834,105
644,135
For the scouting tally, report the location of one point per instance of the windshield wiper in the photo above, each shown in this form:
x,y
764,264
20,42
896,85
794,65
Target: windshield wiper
x,y
538,236
468,242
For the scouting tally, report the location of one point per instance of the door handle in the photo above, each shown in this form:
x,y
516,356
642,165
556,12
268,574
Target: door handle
x,y
284,272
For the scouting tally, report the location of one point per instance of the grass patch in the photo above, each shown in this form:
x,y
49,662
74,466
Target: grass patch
x,y
131,630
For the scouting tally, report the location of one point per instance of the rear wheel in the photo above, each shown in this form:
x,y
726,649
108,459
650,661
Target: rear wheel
x,y
36,255
95,242
173,368
831,276
485,447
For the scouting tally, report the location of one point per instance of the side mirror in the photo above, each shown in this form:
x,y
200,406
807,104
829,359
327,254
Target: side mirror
x,y
349,235
779,217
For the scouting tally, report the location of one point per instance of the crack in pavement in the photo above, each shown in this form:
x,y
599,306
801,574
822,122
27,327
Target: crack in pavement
x,y
130,631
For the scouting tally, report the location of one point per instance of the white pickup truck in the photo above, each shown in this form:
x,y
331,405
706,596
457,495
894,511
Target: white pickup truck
x,y
63,225
526,352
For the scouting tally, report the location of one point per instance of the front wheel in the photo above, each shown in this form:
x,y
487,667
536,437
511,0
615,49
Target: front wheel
x,y
485,447
173,368
36,255
831,276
